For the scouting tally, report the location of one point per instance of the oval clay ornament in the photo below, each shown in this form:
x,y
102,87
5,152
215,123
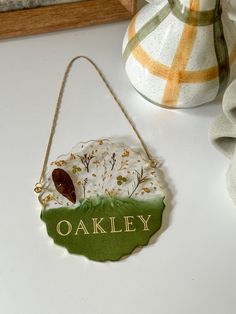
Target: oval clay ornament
x,y
102,200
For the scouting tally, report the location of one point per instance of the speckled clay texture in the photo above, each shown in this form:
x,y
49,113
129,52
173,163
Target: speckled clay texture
x,y
114,170
181,54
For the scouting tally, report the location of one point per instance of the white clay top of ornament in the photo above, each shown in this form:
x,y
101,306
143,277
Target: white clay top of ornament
x,y
103,169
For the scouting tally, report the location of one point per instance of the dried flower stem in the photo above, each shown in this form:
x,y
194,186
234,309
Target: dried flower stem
x,y
140,179
85,159
84,183
113,161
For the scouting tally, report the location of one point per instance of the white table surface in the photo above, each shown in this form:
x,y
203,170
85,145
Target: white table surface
x,y
190,267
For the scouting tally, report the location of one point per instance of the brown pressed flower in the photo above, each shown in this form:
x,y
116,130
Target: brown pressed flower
x,y
64,184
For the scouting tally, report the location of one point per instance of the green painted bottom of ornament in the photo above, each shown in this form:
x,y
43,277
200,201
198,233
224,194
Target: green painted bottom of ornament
x,y
105,229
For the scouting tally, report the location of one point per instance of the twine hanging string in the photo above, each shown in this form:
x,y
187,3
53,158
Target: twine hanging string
x,y
39,185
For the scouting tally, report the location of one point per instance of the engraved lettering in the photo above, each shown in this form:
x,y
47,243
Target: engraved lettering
x,y
113,225
97,227
145,222
81,226
101,225
69,228
129,223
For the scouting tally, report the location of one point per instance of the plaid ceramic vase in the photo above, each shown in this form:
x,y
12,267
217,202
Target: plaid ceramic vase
x,y
181,53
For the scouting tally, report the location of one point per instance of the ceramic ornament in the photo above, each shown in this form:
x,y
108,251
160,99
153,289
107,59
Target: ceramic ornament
x,y
104,198
180,54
